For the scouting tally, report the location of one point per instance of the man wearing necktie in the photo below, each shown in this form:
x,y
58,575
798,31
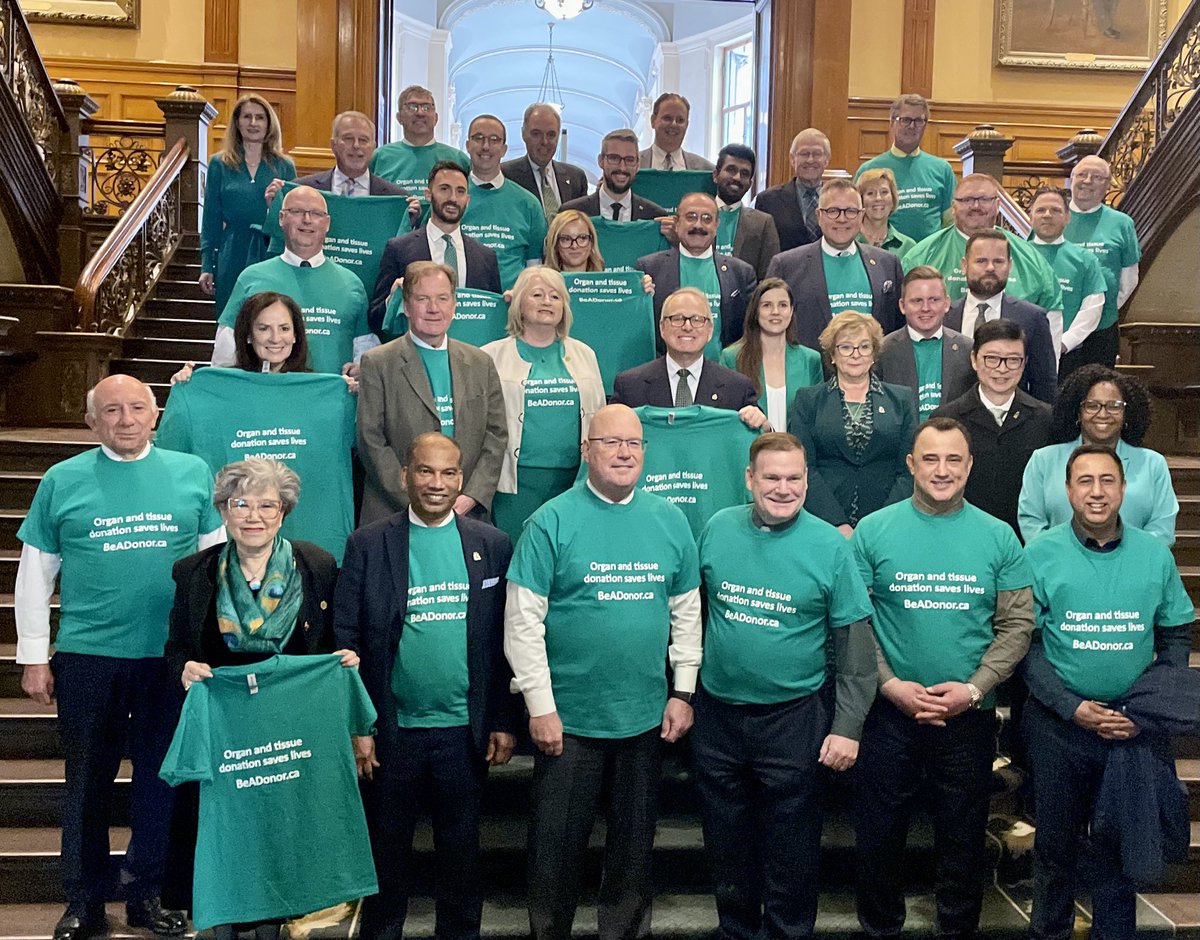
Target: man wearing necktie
x,y
669,120
353,143
614,198
552,182
794,204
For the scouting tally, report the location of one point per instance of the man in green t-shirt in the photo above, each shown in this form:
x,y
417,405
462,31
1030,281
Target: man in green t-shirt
x,y
781,585
953,615
407,162
112,521
1114,627
421,599
602,591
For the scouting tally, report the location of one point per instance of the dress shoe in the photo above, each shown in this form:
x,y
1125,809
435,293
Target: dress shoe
x,y
150,913
78,923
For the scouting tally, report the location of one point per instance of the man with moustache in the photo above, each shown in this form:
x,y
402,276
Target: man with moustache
x,y
409,161
793,205
669,120
614,198
441,240
550,181
745,233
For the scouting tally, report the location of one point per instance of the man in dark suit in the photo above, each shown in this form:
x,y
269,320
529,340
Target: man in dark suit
x,y
614,198
726,281
986,265
684,376
903,361
836,273
669,120
445,712
441,240
551,182
352,143
793,205
1007,424
755,240
425,381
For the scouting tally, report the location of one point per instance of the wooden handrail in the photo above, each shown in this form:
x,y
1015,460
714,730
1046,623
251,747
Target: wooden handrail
x,y
130,228
1012,215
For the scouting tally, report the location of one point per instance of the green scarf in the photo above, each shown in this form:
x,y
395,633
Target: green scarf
x,y
261,624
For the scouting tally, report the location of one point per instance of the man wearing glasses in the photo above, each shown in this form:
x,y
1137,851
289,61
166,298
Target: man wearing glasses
x,y
331,298
925,182
727,282
838,273
602,590
408,161
793,205
614,198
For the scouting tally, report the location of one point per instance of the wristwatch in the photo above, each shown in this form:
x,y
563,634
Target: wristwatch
x,y
685,697
976,695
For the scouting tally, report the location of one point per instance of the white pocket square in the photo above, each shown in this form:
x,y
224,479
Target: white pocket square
x,y
490,582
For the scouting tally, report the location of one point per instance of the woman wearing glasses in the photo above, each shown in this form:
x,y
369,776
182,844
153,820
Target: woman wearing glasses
x,y
552,387
235,205
856,430
1097,405
571,246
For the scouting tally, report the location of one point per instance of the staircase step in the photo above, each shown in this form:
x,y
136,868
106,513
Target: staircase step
x,y
151,370
31,793
8,620
1185,473
182,349
161,390
29,863
8,569
28,729
10,672
202,309
36,922
1191,581
10,524
1189,513
34,450
1185,876
18,486
173,286
1180,909
1188,770
1187,547
173,328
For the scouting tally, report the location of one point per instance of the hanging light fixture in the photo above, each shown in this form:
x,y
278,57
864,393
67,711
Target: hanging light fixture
x,y
564,9
550,93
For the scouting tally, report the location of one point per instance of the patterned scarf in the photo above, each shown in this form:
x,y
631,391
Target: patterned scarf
x,y
261,623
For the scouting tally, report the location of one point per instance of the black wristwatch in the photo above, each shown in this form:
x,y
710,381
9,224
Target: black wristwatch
x,y
682,696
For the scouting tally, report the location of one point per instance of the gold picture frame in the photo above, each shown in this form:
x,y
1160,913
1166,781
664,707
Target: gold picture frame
x,y
1099,35
122,14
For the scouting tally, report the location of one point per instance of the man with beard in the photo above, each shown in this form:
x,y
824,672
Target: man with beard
x,y
614,198
440,241
746,233
986,266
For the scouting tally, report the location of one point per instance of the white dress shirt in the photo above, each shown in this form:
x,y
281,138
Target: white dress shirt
x,y
362,184
693,375
607,202
658,159
970,308
437,248
537,179
999,412
848,252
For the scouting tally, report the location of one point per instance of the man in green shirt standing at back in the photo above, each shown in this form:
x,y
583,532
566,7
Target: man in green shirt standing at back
x,y
953,615
407,162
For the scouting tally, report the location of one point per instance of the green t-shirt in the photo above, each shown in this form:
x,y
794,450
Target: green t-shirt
x,y
1108,234
701,273
429,678
621,243
615,317
331,299
667,187
1078,274
270,745
550,435
896,242
437,367
768,620
510,221
1098,611
119,526
846,282
928,353
302,419
609,571
926,183
480,317
933,581
408,166
1029,279
727,226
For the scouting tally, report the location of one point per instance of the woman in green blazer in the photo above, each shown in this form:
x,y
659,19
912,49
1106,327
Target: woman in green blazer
x,y
770,354
856,430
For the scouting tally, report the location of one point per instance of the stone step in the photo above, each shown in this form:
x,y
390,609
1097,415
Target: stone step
x,y
181,349
173,328
187,308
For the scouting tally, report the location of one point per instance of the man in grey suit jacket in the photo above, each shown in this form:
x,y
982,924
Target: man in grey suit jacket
x,y
934,379
669,120
551,182
755,239
425,381
836,273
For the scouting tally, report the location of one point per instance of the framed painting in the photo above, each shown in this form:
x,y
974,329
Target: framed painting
x,y
119,13
1105,35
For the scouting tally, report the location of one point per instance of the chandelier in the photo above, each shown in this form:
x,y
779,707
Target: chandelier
x,y
564,9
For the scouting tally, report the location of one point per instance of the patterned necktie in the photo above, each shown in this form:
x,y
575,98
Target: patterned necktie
x,y
668,163
683,391
808,207
348,187
450,258
549,199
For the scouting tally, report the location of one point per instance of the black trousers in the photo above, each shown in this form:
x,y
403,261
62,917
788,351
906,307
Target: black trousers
x,y
102,702
438,768
761,797
1068,765
898,758
566,793
1101,346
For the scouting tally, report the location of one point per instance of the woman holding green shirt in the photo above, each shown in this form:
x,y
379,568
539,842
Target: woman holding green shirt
x,y
770,353
235,204
880,199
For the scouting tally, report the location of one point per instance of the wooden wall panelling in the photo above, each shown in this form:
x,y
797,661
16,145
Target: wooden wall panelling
x,y
221,30
916,64
317,79
358,58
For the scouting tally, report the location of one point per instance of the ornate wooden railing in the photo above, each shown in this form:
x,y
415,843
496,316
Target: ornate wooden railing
x,y
122,274
26,77
1166,88
1012,215
119,159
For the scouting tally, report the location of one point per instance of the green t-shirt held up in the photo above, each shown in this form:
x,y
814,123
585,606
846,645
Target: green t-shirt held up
x,y
768,621
608,571
701,273
429,678
119,526
621,243
1078,274
437,367
667,187
480,317
408,166
928,354
509,220
615,317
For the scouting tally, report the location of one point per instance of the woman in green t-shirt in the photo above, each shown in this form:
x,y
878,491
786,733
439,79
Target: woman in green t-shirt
x,y
880,199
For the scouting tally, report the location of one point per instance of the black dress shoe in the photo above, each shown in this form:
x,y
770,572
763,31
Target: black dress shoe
x,y
150,913
79,923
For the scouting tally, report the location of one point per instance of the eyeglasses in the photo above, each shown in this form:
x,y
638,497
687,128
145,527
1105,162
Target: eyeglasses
x,y
420,107
1011,363
492,139
1089,177
810,154
679,319
975,200
836,212
614,443
911,121
572,241
851,349
706,217
240,508
1092,407
615,159
350,140
305,214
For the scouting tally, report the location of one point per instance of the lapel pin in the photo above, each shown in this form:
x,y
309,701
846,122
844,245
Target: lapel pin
x,y
714,398
475,556
1016,414
724,267
870,261
881,411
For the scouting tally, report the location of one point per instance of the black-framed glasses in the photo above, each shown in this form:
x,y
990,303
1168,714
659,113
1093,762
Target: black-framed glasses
x,y
573,241
693,319
241,508
1012,363
614,443
975,200
1090,406
911,121
305,214
842,212
615,159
